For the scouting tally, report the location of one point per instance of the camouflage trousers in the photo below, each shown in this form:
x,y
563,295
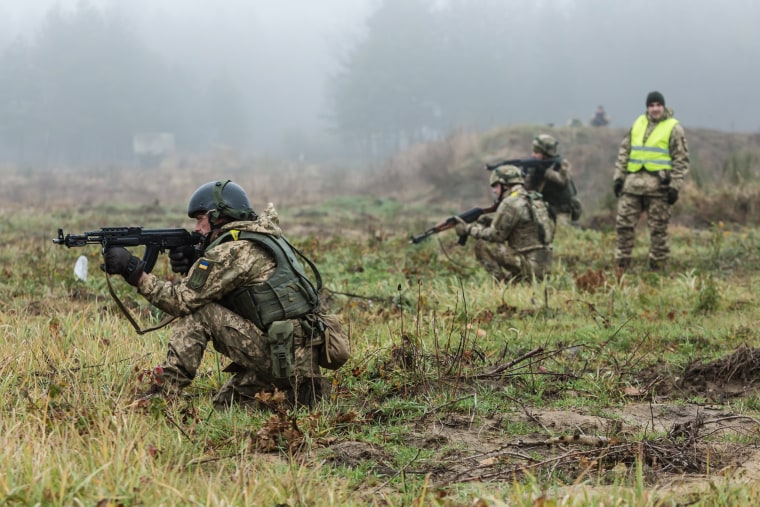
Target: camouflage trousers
x,y
630,208
241,341
504,263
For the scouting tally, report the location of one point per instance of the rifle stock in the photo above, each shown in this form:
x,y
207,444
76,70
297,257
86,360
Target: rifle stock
x,y
468,216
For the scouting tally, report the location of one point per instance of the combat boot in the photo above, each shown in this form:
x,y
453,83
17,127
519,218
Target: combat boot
x,y
656,265
309,391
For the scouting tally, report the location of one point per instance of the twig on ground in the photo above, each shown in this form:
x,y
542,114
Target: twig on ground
x,y
513,362
399,472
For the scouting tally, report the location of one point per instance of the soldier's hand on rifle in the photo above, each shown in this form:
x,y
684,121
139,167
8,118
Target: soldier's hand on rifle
x,y
182,258
462,228
118,261
618,187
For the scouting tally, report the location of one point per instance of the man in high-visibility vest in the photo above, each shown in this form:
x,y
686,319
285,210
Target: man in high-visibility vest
x,y
652,163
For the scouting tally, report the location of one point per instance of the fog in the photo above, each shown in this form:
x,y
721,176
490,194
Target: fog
x,y
355,78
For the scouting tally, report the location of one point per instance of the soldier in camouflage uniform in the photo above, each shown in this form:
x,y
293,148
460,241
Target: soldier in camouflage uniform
x,y
652,163
244,253
555,183
515,242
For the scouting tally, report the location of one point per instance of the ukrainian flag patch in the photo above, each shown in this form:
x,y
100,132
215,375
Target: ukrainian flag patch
x,y
200,274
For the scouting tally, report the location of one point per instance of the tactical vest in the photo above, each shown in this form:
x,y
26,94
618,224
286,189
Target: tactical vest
x,y
654,154
287,294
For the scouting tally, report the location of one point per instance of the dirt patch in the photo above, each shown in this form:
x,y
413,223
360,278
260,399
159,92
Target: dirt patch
x,y
353,454
734,375
728,376
673,441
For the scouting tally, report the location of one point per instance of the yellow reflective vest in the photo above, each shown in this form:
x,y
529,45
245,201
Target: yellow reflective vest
x,y
654,154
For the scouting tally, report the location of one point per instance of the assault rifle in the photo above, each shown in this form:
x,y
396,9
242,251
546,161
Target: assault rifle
x,y
155,240
528,163
468,216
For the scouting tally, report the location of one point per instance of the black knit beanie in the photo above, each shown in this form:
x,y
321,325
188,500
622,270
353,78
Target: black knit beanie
x,y
655,97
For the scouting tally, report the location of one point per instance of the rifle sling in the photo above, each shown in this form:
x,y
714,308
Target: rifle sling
x,y
166,320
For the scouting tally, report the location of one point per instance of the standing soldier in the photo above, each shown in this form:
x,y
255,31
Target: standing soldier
x,y
651,166
553,183
516,243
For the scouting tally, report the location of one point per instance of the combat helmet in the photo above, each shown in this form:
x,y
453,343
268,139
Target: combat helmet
x,y
546,144
221,199
506,175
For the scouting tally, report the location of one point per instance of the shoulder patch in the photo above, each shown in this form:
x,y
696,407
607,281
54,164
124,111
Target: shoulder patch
x,y
200,274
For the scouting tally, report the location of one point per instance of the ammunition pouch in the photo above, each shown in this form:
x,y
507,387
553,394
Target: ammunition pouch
x,y
326,332
266,303
280,337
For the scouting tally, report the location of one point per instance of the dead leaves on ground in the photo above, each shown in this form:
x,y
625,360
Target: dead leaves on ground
x,y
283,432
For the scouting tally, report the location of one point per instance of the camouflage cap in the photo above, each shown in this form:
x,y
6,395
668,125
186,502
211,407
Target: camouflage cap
x,y
507,175
546,144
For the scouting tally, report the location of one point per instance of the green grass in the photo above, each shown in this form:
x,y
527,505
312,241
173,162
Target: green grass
x,y
426,324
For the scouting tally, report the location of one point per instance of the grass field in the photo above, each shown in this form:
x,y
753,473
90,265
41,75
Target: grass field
x,y
588,388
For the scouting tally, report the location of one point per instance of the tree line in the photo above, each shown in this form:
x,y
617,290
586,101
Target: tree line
x,y
82,88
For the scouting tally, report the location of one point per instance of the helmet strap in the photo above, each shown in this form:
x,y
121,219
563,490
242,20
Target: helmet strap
x,y
222,208
502,189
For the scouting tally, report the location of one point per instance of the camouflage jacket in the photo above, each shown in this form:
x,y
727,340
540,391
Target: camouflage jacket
x,y
512,223
649,183
229,265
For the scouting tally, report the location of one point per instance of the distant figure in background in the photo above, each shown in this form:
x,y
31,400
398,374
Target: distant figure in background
x,y
655,143
600,118
555,183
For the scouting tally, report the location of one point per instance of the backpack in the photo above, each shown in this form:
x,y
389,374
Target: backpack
x,y
543,217
561,199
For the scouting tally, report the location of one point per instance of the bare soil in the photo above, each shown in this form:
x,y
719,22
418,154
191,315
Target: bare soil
x,y
683,446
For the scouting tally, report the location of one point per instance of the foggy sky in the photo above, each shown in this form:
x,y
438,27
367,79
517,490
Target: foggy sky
x,y
281,53
298,41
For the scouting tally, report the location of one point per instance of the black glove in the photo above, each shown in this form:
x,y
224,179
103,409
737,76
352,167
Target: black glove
x,y
118,261
672,195
182,258
618,187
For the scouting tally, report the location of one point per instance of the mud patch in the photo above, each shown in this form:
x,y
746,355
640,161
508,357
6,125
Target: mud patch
x,y
353,454
717,381
734,375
